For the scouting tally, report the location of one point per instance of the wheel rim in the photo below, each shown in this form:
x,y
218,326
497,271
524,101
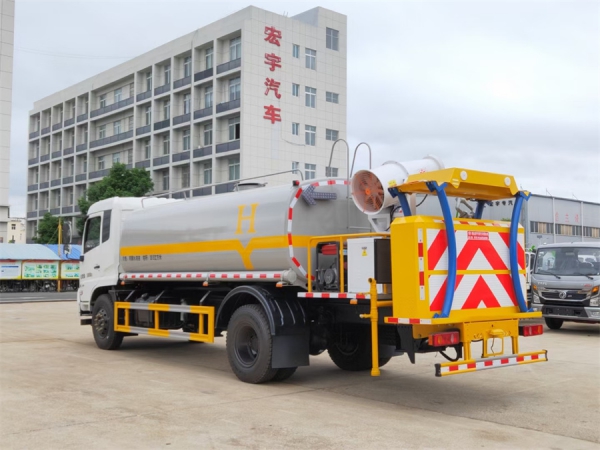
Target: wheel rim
x,y
101,323
347,344
247,347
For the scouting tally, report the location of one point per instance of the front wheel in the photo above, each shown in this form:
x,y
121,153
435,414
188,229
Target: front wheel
x,y
553,324
350,349
103,325
250,345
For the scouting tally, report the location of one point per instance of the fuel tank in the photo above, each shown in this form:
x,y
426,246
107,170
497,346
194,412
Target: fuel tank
x,y
262,229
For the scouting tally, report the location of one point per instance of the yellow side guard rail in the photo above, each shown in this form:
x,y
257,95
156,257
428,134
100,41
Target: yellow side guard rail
x,y
454,368
206,320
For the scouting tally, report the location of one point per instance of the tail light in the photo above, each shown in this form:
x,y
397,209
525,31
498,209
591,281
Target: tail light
x,y
530,330
444,339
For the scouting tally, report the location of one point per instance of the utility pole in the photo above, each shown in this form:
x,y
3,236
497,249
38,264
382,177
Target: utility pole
x,y
59,252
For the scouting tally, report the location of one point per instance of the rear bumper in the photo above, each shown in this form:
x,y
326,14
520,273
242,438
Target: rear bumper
x,y
455,368
578,313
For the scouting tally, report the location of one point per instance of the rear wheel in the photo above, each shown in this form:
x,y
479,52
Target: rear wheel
x,y
554,324
350,349
103,325
250,345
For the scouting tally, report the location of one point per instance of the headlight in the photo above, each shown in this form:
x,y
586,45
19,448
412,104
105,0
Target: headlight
x,y
536,299
595,301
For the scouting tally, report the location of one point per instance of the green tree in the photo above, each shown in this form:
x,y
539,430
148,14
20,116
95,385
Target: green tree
x,y
47,232
120,182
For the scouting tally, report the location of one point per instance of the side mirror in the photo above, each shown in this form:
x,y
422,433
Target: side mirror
x,y
81,257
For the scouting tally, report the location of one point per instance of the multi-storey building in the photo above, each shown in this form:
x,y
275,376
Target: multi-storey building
x,y
253,94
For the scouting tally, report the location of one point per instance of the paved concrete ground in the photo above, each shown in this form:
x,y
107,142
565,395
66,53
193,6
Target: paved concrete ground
x,y
57,390
27,297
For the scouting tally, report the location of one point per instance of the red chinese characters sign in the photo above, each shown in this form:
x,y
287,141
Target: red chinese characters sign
x,y
273,36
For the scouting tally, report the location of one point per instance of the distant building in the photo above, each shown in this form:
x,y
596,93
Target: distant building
x,y
7,24
16,231
252,94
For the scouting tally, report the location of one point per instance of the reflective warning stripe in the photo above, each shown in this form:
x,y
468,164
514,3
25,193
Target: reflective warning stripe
x,y
421,265
349,295
445,369
403,320
192,276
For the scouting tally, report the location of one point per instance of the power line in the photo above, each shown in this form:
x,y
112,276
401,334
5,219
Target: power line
x,y
69,55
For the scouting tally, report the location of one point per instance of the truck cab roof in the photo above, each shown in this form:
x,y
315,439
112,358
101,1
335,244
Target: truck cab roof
x,y
128,203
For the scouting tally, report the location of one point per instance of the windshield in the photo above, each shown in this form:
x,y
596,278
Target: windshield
x,y
575,261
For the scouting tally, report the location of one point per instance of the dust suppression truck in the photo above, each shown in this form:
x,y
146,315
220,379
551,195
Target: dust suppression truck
x,y
295,270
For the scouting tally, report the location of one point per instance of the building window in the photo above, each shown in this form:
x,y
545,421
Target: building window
x,y
185,177
234,89
149,80
310,171
37,175
332,97
60,144
310,96
102,132
235,48
168,74
209,58
187,98
541,227
102,100
147,149
148,115
295,50
167,109
86,106
37,123
71,196
593,232
116,158
568,230
84,165
131,89
310,134
332,39
295,165
234,168
166,144
85,136
117,127
60,115
165,180
186,140
72,166
295,89
207,173
118,95
311,59
130,156
130,123
100,163
331,135
208,97
331,172
234,128
295,128
208,134
187,66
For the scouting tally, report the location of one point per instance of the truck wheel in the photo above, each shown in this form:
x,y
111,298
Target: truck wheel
x,y
103,327
284,374
553,324
250,345
351,349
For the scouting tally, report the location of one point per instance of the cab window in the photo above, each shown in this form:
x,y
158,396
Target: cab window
x,y
92,234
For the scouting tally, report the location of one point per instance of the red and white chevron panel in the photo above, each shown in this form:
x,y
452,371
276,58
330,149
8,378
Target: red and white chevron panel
x,y
191,276
342,295
406,321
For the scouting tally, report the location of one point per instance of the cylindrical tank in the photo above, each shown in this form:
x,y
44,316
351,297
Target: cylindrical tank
x,y
370,187
264,229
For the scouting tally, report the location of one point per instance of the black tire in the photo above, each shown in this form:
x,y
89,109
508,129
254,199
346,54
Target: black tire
x,y
350,349
103,324
284,374
250,345
553,324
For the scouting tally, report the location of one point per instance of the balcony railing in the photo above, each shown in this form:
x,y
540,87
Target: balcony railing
x,y
76,209
143,130
82,117
229,65
142,164
44,185
181,119
203,74
204,151
199,192
32,214
34,160
34,134
67,209
162,124
198,114
67,180
42,212
99,173
162,89
181,194
176,157
81,147
68,151
222,107
32,187
113,107
226,187
143,95
228,146
57,126
112,139
56,154
55,182
69,122
55,211
81,177
161,160
46,130
45,157
182,82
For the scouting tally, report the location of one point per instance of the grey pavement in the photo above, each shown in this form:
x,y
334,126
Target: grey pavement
x,y
58,390
26,297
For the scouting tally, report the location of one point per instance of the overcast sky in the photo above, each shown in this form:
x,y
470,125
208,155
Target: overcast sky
x,y
503,86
